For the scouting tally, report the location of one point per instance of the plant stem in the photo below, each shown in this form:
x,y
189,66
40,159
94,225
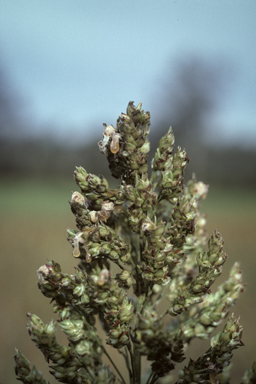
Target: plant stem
x,y
149,378
164,314
126,358
137,364
102,346
112,362
154,378
161,295
135,359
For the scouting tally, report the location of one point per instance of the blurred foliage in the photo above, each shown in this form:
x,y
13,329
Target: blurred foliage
x,y
190,96
221,166
191,92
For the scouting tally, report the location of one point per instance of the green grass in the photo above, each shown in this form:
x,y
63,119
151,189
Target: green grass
x,y
35,195
231,201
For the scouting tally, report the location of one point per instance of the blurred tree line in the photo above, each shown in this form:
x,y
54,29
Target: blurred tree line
x,y
190,97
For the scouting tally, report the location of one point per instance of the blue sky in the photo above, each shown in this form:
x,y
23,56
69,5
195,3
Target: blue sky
x,y
77,62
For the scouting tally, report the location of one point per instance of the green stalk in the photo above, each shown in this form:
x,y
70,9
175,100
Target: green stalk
x,y
132,363
154,378
137,364
103,348
112,362
126,358
149,378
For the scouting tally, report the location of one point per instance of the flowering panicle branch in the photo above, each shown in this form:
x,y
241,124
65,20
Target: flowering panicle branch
x,y
152,229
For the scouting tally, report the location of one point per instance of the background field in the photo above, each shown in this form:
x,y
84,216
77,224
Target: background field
x,y
34,218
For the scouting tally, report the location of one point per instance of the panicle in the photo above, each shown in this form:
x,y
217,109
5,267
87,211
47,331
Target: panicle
x,y
140,246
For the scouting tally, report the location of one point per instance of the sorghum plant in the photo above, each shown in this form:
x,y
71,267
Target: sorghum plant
x,y
151,228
